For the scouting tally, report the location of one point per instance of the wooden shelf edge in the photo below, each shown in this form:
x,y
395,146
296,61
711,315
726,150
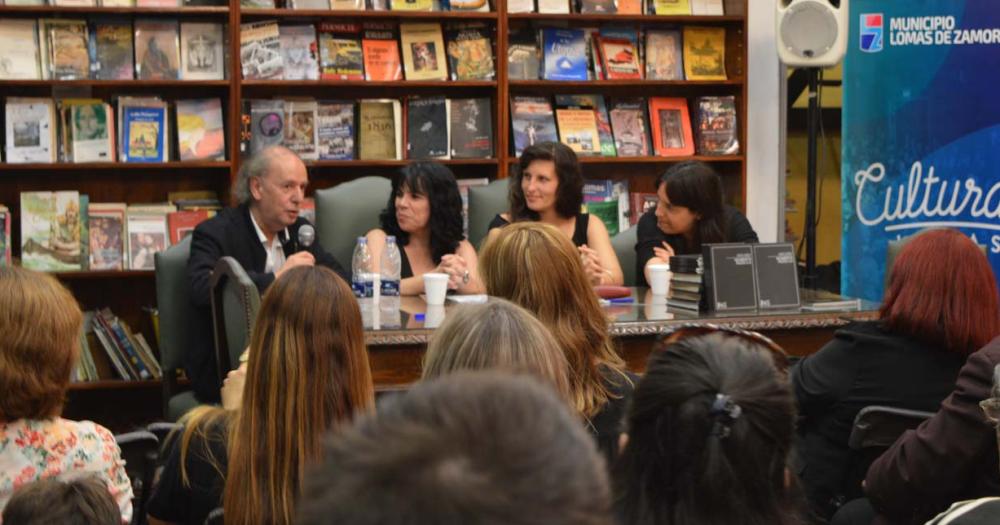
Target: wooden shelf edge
x,y
115,83
83,166
615,17
330,13
45,9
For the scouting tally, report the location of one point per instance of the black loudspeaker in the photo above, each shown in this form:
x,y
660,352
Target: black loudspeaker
x,y
811,33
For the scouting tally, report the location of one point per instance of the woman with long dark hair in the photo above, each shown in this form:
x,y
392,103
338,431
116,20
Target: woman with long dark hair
x,y
689,213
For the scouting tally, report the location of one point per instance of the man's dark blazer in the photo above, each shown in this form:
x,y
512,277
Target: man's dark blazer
x,y
230,233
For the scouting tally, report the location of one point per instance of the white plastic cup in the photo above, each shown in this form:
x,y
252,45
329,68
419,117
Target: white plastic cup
x,y
433,316
435,287
659,278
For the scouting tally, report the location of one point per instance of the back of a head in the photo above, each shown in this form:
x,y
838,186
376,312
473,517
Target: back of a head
x,y
710,428
53,501
476,448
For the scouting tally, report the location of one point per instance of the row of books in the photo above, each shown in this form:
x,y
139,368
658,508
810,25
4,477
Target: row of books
x,y
116,3
126,354
618,52
91,130
625,7
349,51
375,5
111,49
633,127
371,129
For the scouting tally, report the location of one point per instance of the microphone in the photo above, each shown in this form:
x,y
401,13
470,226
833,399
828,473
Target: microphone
x,y
307,234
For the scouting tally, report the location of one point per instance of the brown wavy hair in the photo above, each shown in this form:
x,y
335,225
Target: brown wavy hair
x,y
569,192
536,266
40,324
307,373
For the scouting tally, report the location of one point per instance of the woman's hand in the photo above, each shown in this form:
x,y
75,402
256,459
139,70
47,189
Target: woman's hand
x,y
232,388
664,253
456,268
592,265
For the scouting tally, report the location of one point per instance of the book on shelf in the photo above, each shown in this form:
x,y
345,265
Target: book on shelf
x,y
144,130
257,4
183,222
413,5
91,137
578,130
106,223
300,128
299,52
463,191
597,6
19,47
84,232
381,53
157,54
704,53
380,130
707,7
427,130
522,56
630,129
664,55
24,2
469,5
69,57
260,51
470,52
341,57
471,128
111,50
716,125
123,3
598,192
268,124
640,203
309,4
335,129
50,230
632,34
671,7
157,3
520,6
607,212
147,233
200,129
565,54
594,103
557,7
347,5
619,59
5,258
532,122
30,125
630,7
202,51
423,51
671,125
112,360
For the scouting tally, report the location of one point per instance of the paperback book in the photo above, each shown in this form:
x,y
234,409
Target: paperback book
x,y
565,53
335,130
111,52
200,130
629,125
381,53
19,49
156,50
30,125
532,122
202,52
106,225
471,128
300,128
260,51
470,53
50,230
423,51
427,128
299,52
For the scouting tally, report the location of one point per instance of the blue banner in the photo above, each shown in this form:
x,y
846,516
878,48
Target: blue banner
x,y
921,129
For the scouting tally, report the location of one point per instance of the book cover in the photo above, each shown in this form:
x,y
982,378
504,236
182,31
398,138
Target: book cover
x,y
91,136
68,47
470,53
268,124
246,127
260,51
381,53
716,125
200,130
463,191
24,2
19,49
607,211
117,3
106,225
347,5
84,232
777,276
553,6
565,54
594,103
309,4
147,236
335,130
257,4
619,59
630,7
299,52
423,52
412,5
671,7
707,7
5,258
471,128
50,230
671,125
630,129
663,55
704,53
639,204
379,130
521,6
467,5
532,122
144,134
300,128
157,3
202,51
156,50
427,128
597,6
111,53
730,279
182,223
522,56
341,57
30,125
578,130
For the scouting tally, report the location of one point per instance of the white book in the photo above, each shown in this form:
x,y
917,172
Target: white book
x,y
299,52
24,2
30,126
520,6
73,3
116,3
553,6
300,129
147,235
202,53
707,7
19,49
310,4
91,132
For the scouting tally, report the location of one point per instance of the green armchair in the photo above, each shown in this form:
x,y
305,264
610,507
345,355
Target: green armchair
x,y
235,302
348,211
176,316
485,202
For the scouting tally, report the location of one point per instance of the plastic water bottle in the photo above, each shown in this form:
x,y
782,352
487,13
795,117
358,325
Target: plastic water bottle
x,y
389,275
362,277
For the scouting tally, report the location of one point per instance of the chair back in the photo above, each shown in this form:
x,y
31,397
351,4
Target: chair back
x,y
624,246
139,450
485,202
880,426
235,302
176,317
348,211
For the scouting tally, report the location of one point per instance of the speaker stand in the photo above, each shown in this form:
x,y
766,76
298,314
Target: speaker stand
x,y
812,122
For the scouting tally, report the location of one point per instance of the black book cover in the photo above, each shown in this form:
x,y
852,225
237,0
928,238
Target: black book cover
x,y
729,277
716,126
777,275
471,128
427,128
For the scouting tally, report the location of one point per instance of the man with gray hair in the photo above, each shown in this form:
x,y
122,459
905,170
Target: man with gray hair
x,y
262,235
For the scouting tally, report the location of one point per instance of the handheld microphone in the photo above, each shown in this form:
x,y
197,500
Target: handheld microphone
x,y
307,234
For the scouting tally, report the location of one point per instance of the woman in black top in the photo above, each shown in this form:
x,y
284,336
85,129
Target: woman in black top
x,y
424,213
548,187
690,213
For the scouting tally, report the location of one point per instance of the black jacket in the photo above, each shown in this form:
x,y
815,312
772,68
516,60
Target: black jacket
x,y
230,233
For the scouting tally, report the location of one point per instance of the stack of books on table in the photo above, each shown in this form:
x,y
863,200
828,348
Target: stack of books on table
x,y
685,282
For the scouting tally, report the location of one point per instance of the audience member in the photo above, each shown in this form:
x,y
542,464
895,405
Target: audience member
x,y
40,323
83,500
473,448
424,213
689,213
533,265
496,335
548,187
709,431
934,314
307,373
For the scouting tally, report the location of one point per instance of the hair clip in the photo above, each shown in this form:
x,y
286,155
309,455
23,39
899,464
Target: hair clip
x,y
725,411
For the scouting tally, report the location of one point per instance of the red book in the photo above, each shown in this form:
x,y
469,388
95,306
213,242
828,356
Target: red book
x,y
671,123
182,223
619,58
640,204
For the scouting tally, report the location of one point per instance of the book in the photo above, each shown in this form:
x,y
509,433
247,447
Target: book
x,y
50,230
413,5
716,126
664,55
630,129
381,53
463,191
200,130
156,50
341,57
671,7
730,279
777,278
157,3
471,128
467,5
470,52
180,224
380,134
619,58
351,5
671,125
69,56
202,51
335,130
144,132
565,54
19,49
607,212
704,53
300,128
120,3
92,138
24,2
601,192
553,6
268,124
629,7
639,204
257,4
260,51
299,52
522,56
5,241
521,6
427,128
578,130
309,4
30,125
111,53
106,225
147,234
423,51
596,104
532,122
707,7
72,3
597,6
84,232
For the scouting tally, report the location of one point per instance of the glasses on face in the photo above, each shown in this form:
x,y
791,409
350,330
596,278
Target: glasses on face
x,y
778,354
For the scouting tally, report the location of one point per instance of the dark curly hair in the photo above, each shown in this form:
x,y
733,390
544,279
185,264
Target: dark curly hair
x,y
697,187
569,195
437,182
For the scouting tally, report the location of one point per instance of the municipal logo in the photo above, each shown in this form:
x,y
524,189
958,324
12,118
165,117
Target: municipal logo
x,y
871,32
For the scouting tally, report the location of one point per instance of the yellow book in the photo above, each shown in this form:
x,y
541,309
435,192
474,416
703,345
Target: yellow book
x,y
423,51
705,53
578,130
412,5
672,7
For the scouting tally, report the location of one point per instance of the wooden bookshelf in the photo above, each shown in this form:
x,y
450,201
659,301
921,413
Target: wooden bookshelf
x,y
594,18
366,15
46,10
136,166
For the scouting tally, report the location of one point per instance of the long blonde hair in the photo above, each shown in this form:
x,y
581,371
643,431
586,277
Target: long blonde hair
x,y
537,267
308,372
